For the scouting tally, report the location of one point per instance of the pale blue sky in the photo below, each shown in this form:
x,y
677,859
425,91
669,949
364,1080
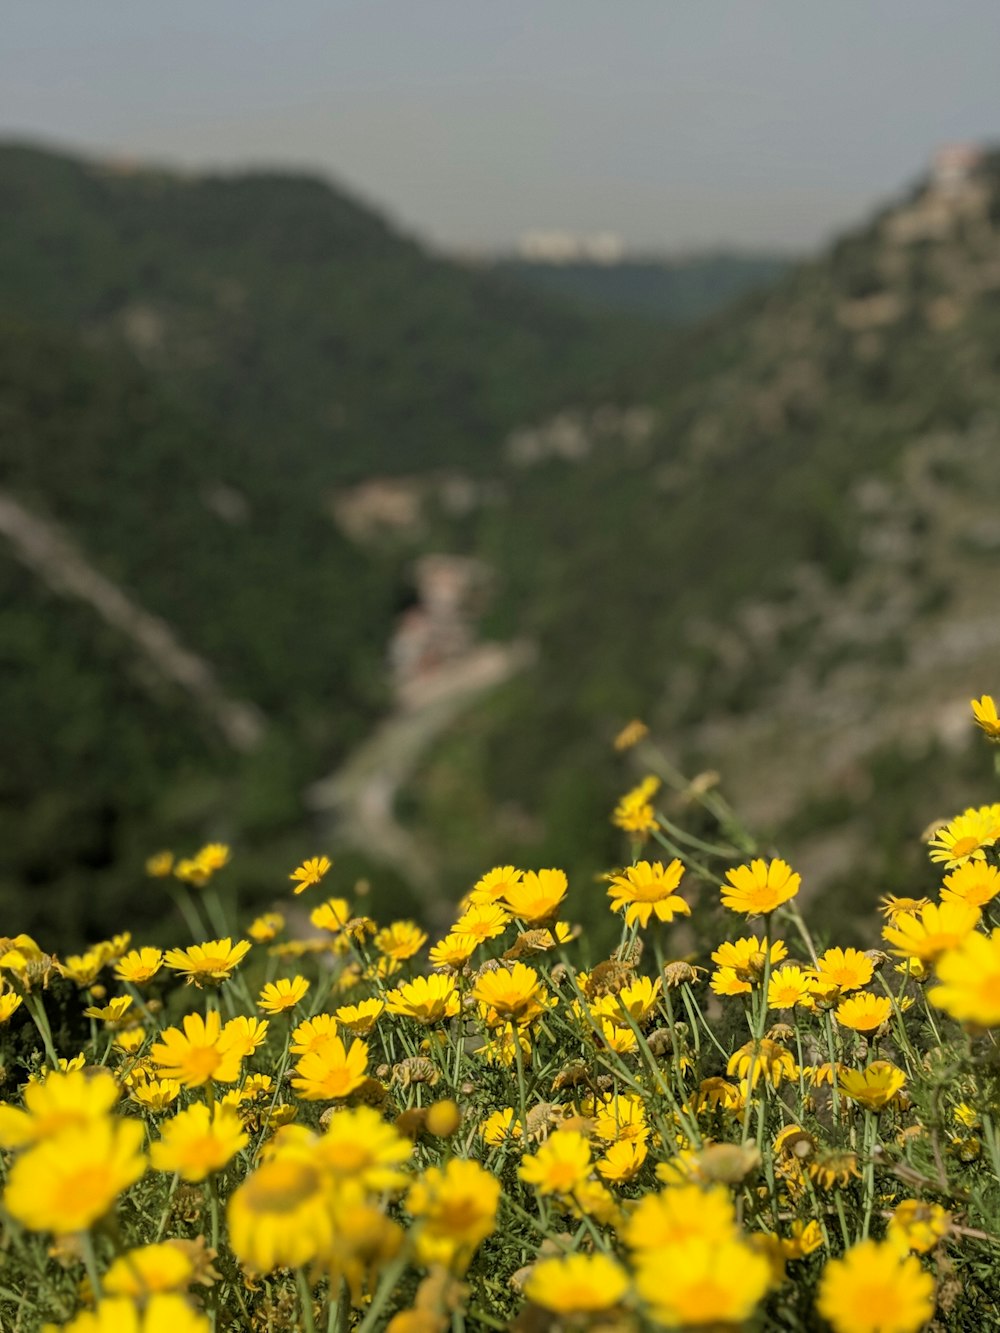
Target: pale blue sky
x,y
677,123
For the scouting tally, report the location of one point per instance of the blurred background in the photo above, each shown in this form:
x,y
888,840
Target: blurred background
x,y
395,400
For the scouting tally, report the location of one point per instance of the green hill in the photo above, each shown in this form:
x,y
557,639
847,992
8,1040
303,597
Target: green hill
x,y
253,410
793,577
190,369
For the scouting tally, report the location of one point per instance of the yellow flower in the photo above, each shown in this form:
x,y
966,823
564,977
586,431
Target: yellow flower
x,y
967,835
310,872
713,1093
281,995
873,1289
197,1143
426,999
658,1222
166,1312
264,928
454,951
847,969
139,966
456,1206
759,887
360,1146
634,812
741,964
499,1126
648,889
623,1117
938,926
159,865
576,1284
969,977
213,856
621,1040
332,916
211,962
113,1012
66,1183
806,1239
242,1036
623,1161
170,1265
198,1054
560,1164
918,1226
789,987
199,869
984,711
864,1012
833,1167
401,940
710,1283
975,883
280,1216
360,1018
24,959
81,968
156,1094
966,1115
9,1005
335,1072
873,1087
639,998
495,884
483,921
64,1101
510,993
314,1035
764,1059
892,907
500,1049
536,896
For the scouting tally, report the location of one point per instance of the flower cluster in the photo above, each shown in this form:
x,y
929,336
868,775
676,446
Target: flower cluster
x,y
363,1127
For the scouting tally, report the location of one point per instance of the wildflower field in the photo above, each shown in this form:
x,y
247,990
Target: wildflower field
x,y
726,1123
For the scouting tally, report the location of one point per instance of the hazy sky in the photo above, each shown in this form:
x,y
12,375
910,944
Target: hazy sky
x,y
677,123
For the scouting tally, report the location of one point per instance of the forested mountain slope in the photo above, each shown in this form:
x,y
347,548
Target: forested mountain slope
x,y
191,370
794,577
335,468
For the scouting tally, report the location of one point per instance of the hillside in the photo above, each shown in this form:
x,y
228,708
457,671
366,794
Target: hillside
x,y
442,538
793,578
190,372
326,344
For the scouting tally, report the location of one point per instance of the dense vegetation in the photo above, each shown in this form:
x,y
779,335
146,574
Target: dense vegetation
x,y
194,368
727,1121
189,369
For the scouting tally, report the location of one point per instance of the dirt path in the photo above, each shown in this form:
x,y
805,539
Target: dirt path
x,y
50,554
361,795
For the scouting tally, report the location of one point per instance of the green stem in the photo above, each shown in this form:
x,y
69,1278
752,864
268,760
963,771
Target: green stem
x,y
37,1011
758,1036
305,1301
834,1084
871,1124
90,1261
166,1207
384,1290
683,856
